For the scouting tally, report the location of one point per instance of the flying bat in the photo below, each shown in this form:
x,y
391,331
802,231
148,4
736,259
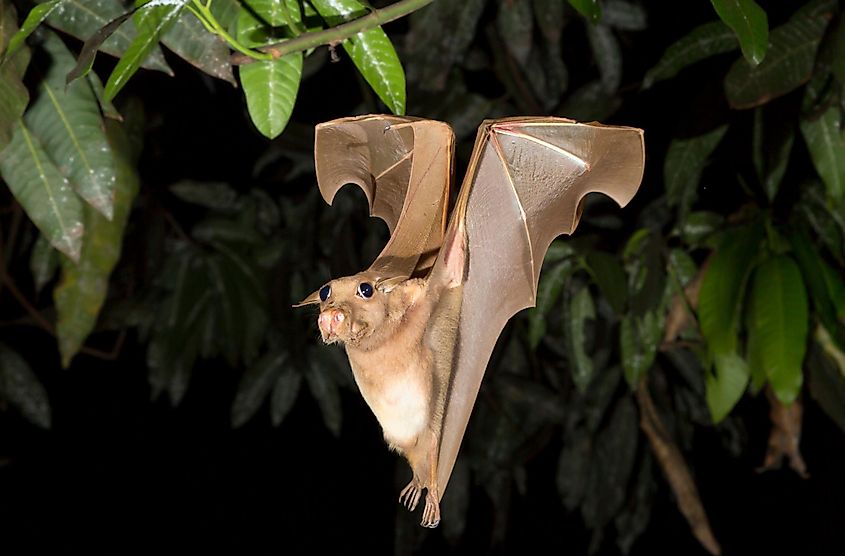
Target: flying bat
x,y
419,325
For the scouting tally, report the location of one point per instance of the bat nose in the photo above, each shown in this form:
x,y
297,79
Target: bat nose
x,y
329,320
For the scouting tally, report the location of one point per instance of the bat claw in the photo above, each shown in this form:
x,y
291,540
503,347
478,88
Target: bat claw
x,y
410,495
431,513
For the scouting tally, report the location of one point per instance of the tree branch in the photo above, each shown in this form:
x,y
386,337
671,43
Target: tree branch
x,y
337,34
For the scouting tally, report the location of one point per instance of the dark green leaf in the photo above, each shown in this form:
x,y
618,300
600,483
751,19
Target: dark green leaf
x,y
826,373
13,94
698,226
588,8
590,102
773,138
83,18
749,22
255,385
607,54
43,262
273,12
608,273
325,392
85,61
709,39
548,293
825,140
779,321
43,192
639,338
813,269
284,394
21,388
270,88
371,51
515,23
788,64
67,121
205,51
684,163
580,310
106,107
33,19
726,386
80,294
152,23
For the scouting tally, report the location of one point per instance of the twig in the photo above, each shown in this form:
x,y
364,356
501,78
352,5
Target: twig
x,y
336,34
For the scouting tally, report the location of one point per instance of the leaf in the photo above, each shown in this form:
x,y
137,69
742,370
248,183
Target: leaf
x,y
13,94
625,16
813,269
214,195
515,23
580,310
705,41
67,121
21,388
152,22
106,107
749,22
255,384
825,140
827,382
36,15
772,140
779,323
608,273
639,338
275,12
82,290
270,88
325,392
685,161
607,54
698,226
203,50
549,289
440,36
725,387
371,52
43,262
88,53
788,64
43,192
83,18
285,392
590,9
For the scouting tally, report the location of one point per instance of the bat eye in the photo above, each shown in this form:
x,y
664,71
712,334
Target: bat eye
x,y
365,290
325,292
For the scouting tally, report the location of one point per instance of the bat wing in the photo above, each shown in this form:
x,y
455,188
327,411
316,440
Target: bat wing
x,y
404,167
524,187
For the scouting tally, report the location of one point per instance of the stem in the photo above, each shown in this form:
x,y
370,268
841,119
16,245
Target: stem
x,y
339,33
203,13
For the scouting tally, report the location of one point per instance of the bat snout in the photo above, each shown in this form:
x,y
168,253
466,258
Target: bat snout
x,y
330,322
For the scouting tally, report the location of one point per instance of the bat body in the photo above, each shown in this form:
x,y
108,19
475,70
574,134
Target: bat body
x,y
420,324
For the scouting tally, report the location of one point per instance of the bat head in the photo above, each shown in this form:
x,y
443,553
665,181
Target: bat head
x,y
358,310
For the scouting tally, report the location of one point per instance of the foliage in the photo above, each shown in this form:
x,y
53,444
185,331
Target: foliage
x,y
723,279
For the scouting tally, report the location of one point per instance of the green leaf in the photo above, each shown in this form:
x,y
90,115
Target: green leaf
x,y
836,290
284,395
203,50
685,160
371,52
588,8
67,121
271,88
43,262
255,384
639,338
326,393
749,22
826,368
581,309
788,64
607,54
43,192
85,60
515,23
20,388
608,273
83,18
772,143
80,294
725,387
825,140
276,13
549,289
106,107
13,94
814,270
779,322
698,226
705,41
152,23
33,19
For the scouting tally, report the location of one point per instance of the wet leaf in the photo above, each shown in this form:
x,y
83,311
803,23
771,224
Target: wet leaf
x,y
43,192
88,53
285,392
21,388
705,41
271,88
371,51
779,320
66,119
685,161
151,23
750,24
788,64
255,385
83,286
203,50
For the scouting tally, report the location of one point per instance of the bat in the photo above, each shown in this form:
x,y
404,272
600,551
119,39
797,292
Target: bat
x,y
419,325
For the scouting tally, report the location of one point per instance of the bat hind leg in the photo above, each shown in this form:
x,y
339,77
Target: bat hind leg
x,y
431,512
410,495
423,460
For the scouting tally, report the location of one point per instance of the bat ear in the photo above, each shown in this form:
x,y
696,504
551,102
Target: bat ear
x,y
310,300
387,284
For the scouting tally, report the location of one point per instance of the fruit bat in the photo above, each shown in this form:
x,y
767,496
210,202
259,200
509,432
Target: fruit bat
x,y
419,325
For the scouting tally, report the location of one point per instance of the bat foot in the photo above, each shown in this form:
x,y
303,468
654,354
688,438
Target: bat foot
x,y
431,513
410,495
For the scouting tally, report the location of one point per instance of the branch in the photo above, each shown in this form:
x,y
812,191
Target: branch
x,y
334,35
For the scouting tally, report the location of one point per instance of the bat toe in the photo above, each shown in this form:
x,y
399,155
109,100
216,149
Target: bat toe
x,y
410,495
431,513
